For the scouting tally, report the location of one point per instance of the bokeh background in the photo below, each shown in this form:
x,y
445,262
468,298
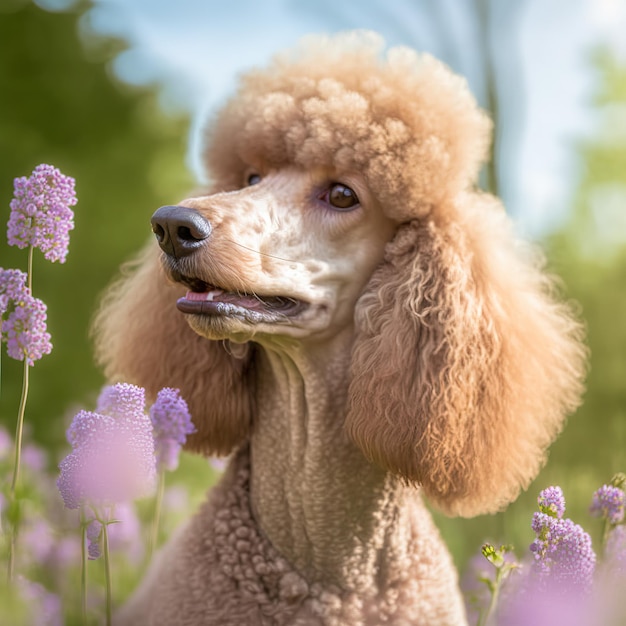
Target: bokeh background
x,y
113,92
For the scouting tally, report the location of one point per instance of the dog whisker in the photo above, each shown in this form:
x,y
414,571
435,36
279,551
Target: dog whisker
x,y
271,256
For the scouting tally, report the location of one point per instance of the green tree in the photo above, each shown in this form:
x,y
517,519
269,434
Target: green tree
x,y
590,254
61,105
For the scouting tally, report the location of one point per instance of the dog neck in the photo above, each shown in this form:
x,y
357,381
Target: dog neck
x,y
331,513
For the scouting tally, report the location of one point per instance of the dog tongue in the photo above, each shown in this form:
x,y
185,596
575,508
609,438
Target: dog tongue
x,y
203,296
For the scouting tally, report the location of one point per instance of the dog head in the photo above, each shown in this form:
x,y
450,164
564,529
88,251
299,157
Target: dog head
x,y
343,196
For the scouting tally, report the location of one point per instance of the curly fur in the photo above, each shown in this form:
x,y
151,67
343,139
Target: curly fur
x,y
449,360
252,583
404,121
487,369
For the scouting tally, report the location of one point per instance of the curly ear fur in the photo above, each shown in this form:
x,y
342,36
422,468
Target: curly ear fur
x,y
141,338
464,365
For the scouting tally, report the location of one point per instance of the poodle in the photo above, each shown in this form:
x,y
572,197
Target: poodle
x,y
357,325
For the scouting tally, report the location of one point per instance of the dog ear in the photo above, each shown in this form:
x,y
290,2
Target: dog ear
x,y
465,364
141,338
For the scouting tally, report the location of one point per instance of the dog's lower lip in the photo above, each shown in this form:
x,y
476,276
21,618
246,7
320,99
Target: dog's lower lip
x,y
197,307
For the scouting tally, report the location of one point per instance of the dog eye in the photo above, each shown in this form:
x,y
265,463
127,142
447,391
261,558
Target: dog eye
x,y
253,179
340,197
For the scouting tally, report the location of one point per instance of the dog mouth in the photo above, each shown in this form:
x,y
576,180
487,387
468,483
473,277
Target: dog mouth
x,y
203,298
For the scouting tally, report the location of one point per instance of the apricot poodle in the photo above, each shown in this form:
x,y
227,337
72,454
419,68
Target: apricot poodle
x,y
357,324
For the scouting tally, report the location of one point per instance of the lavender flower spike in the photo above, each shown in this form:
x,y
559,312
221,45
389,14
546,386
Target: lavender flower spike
x,y
94,530
113,454
41,214
608,502
12,288
552,502
172,423
122,401
24,329
563,554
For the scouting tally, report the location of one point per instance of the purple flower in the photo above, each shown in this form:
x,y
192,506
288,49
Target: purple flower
x,y
40,212
112,459
552,502
44,547
24,329
65,553
122,401
608,502
25,332
564,556
94,530
34,458
530,603
615,549
44,607
38,539
124,534
12,288
172,423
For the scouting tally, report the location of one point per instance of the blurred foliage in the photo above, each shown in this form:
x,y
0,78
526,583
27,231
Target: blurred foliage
x,y
589,253
61,105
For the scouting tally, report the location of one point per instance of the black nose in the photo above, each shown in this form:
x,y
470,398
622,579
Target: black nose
x,y
179,230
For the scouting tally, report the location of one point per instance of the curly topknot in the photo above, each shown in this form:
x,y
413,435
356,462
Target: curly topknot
x,y
402,119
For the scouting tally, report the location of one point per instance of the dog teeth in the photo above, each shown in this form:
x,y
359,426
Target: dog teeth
x,y
213,294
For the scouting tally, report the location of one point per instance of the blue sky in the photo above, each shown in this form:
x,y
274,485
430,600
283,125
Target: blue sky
x,y
193,49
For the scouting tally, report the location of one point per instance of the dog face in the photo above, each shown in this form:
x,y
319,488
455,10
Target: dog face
x,y
286,254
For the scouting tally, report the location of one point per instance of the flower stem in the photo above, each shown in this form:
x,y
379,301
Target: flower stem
x,y
12,550
29,274
158,503
107,570
83,566
20,416
16,469
494,588
19,430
